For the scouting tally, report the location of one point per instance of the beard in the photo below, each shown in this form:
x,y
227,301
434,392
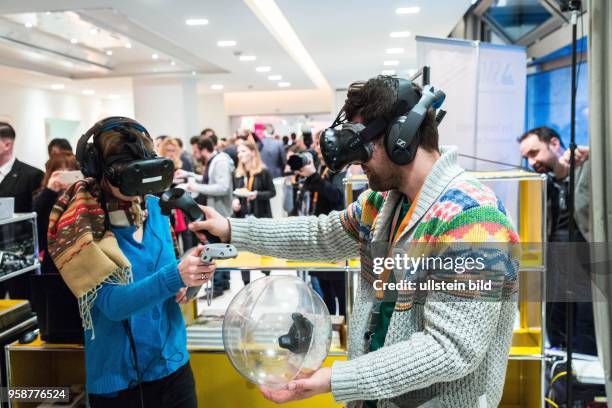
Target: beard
x,y
542,168
383,181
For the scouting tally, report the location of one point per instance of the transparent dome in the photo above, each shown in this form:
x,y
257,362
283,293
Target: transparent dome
x,y
276,329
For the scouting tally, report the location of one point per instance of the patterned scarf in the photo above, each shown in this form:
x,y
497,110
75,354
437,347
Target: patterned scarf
x,y
84,250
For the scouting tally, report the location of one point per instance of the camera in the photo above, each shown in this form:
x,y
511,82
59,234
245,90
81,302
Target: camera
x,y
297,161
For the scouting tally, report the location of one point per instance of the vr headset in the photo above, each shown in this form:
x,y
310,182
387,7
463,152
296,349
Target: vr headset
x,y
135,170
353,143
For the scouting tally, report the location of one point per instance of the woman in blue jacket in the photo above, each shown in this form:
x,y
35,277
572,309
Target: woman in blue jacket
x,y
116,254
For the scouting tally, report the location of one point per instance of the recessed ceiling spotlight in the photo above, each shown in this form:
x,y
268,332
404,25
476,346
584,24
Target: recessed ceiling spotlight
x,y
172,63
109,53
226,43
88,92
154,56
247,58
263,69
391,63
395,50
29,25
216,87
74,41
57,87
48,13
387,72
70,64
128,45
408,10
196,21
284,84
193,72
275,77
400,34
94,31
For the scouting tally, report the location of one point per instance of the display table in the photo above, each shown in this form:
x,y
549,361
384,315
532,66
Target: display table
x,y
218,385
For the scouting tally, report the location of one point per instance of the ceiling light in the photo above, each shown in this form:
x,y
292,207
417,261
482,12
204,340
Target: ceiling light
x,y
284,84
128,45
387,72
226,43
408,10
400,34
172,63
57,87
155,56
263,69
74,41
48,13
196,21
88,92
93,31
216,87
109,53
193,72
29,25
275,77
391,63
247,58
113,96
395,50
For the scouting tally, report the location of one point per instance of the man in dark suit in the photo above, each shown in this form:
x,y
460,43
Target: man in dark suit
x,y
273,155
18,180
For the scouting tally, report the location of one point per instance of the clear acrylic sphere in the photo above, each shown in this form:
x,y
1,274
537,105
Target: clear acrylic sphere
x,y
275,330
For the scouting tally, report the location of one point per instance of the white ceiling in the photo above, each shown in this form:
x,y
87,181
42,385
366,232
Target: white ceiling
x,y
346,40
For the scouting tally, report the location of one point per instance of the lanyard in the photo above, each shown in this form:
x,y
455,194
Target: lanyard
x,y
394,235
249,183
315,197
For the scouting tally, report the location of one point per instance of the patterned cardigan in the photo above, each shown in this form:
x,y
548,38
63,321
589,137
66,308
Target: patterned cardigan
x,y
443,347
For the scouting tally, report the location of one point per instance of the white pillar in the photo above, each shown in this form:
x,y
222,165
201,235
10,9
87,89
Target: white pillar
x,y
167,106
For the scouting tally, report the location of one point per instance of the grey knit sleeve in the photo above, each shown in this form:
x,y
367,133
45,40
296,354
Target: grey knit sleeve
x,y
453,342
321,238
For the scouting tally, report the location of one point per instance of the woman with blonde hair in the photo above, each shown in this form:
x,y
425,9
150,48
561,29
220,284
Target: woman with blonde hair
x,y
253,184
170,148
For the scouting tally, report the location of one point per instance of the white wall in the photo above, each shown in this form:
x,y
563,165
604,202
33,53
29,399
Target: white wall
x,y
27,108
277,102
212,114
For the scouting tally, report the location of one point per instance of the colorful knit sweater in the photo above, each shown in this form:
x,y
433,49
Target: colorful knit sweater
x,y
443,347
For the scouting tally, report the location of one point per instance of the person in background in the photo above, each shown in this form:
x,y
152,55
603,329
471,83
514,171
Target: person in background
x,y
216,181
326,195
20,181
198,162
58,145
158,142
53,186
208,132
545,153
273,155
232,148
130,291
186,159
170,148
285,141
254,182
293,137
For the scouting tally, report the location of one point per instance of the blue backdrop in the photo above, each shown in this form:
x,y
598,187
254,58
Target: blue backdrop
x,y
548,102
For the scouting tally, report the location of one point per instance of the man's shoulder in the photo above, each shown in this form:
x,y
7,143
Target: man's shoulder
x,y
26,168
467,192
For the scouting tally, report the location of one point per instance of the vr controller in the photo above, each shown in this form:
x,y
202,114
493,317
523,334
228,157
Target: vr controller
x,y
177,198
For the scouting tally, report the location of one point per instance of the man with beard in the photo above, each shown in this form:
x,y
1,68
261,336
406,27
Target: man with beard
x,y
406,349
544,151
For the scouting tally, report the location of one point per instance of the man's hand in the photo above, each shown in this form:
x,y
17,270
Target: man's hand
x,y
307,171
318,383
581,154
215,223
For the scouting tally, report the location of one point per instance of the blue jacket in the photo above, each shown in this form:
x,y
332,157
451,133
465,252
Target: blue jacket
x,y
148,304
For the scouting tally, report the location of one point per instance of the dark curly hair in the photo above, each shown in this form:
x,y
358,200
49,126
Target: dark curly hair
x,y
376,97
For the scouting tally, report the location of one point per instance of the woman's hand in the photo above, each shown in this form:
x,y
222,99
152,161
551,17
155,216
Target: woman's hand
x,y
252,196
54,182
181,174
193,271
236,205
215,223
181,296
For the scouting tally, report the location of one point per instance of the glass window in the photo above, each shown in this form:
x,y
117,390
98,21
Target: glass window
x,y
517,17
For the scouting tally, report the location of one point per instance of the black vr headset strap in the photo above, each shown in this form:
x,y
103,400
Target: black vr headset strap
x,y
417,114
